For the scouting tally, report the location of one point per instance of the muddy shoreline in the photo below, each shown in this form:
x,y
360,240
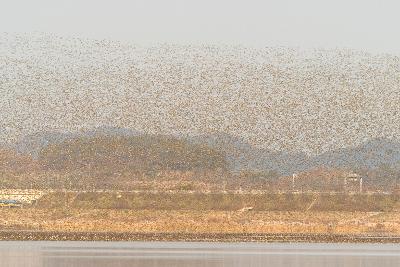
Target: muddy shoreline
x,y
194,237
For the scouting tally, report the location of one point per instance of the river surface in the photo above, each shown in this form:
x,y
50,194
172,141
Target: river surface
x,y
179,254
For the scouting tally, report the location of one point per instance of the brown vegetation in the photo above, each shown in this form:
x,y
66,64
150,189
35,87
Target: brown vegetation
x,y
145,212
146,221
220,201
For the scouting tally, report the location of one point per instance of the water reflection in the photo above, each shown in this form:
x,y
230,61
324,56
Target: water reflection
x,y
94,254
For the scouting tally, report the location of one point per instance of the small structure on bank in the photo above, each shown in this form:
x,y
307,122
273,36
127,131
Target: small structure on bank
x,y
10,203
26,196
353,183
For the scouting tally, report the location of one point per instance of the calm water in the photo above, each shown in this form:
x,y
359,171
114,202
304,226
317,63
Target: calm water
x,y
165,254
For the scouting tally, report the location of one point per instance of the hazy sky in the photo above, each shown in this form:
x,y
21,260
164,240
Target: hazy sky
x,y
362,24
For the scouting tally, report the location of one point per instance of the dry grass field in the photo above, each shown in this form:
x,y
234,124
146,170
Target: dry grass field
x,y
206,213
147,221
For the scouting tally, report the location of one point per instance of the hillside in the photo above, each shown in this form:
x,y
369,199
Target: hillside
x,y
13,163
17,170
135,153
241,155
32,144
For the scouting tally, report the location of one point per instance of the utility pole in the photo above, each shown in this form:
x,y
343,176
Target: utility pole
x,y
66,196
294,176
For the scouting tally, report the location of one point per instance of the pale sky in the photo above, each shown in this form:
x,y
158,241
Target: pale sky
x,y
371,25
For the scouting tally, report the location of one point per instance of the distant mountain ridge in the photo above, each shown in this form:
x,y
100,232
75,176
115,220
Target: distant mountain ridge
x,y
241,155
369,155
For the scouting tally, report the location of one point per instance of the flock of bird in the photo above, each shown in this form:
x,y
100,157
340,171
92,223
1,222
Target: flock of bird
x,y
278,98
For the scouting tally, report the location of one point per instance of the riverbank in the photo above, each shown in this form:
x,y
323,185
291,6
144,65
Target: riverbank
x,y
204,217
197,222
195,237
